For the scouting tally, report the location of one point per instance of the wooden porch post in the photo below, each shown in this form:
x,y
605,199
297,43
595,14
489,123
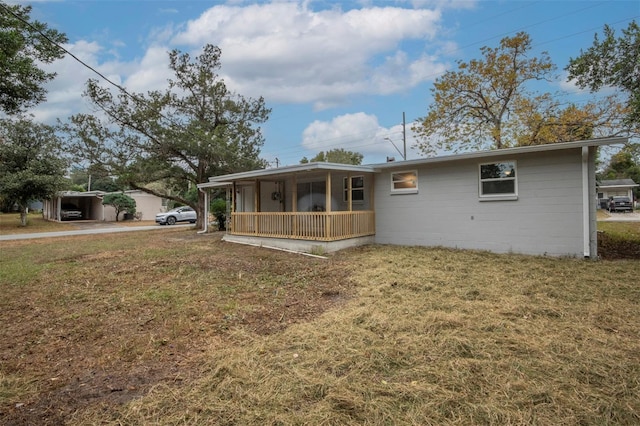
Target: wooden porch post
x,y
294,205
294,195
327,228
349,229
349,195
233,208
256,206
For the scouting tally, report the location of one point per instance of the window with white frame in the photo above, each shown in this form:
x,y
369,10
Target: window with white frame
x,y
498,180
357,189
405,182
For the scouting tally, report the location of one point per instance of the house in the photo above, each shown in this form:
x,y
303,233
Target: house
x,y
91,208
537,200
614,188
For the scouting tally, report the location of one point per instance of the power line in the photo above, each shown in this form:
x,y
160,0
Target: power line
x,y
360,134
105,78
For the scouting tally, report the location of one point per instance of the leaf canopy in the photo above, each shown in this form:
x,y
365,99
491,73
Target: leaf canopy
x,y
25,44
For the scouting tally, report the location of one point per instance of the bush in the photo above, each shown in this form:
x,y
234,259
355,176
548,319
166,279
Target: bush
x,y
219,210
122,203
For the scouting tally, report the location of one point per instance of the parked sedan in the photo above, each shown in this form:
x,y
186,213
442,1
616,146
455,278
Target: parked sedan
x,y
620,204
70,212
179,214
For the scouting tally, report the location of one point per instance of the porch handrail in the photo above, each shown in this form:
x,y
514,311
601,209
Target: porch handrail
x,y
321,226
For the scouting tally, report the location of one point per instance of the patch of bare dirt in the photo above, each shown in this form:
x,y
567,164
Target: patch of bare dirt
x,y
611,248
91,346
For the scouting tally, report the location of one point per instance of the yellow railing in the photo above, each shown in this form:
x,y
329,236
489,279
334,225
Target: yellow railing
x,y
322,226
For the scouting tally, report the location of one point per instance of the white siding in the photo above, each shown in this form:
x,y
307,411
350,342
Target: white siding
x,y
147,204
545,219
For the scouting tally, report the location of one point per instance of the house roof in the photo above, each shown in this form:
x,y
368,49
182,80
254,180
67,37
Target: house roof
x,y
617,183
217,181
81,194
505,152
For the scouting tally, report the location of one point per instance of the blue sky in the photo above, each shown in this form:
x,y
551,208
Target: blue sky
x,y
337,74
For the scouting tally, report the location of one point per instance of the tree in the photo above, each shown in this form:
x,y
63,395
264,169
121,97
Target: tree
x,y
613,62
121,203
30,168
93,178
543,119
472,106
24,45
175,138
339,155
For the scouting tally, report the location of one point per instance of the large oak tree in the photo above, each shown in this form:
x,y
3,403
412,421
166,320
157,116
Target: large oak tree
x,y
473,106
490,103
165,142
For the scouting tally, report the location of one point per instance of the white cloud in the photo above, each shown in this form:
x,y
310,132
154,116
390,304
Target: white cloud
x,y
64,91
289,53
152,72
283,51
359,132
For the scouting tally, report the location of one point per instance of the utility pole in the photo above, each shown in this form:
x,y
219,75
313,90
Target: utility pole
x,y
404,139
404,136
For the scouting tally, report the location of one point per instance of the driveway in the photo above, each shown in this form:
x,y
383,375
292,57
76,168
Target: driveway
x,y
88,228
623,217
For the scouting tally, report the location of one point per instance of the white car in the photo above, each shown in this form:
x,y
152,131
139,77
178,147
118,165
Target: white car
x,y
179,214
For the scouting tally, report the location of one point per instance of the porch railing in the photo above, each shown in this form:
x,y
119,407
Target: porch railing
x,y
322,226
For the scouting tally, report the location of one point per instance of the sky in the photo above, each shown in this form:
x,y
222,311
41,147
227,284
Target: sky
x,y
336,74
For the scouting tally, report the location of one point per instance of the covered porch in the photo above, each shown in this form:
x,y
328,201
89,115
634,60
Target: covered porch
x,y
319,203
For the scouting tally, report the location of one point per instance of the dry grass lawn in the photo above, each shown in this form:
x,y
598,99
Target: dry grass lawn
x,y
171,327
10,224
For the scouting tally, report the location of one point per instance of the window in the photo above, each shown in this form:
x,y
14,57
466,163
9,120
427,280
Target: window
x,y
357,189
498,181
311,196
404,182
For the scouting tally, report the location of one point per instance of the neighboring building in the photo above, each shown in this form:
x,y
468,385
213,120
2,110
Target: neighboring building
x,y
534,200
614,188
91,207
147,206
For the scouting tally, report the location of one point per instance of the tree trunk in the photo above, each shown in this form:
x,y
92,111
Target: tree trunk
x,y
200,221
23,215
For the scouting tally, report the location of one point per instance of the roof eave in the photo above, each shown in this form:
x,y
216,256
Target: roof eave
x,y
297,168
505,152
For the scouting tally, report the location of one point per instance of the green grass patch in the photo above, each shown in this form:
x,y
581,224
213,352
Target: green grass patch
x,y
621,230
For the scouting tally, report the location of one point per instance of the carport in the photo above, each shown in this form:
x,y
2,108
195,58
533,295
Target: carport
x,y
89,203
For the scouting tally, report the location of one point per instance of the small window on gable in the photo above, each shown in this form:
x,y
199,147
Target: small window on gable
x,y
498,181
357,189
404,182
